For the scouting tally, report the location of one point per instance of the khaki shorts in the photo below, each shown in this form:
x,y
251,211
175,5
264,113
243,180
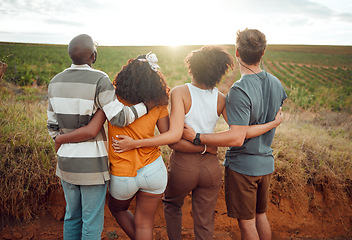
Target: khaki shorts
x,y
246,195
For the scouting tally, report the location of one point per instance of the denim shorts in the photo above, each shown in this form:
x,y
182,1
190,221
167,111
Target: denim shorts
x,y
151,179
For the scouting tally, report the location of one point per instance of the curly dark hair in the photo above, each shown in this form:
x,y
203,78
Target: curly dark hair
x,y
251,44
137,82
209,64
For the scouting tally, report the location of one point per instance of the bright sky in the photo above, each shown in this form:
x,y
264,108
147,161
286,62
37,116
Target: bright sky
x,y
178,22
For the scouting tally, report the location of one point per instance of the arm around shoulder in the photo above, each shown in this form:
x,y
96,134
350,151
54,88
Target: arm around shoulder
x,y
116,112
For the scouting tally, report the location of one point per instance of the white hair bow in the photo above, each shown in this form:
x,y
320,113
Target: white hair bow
x,y
152,60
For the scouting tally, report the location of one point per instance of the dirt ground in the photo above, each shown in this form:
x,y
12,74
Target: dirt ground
x,y
317,218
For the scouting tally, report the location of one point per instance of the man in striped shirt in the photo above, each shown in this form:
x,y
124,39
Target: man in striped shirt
x,y
75,95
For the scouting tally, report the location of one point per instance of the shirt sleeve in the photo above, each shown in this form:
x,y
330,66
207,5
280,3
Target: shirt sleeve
x,y
118,114
164,112
238,107
52,123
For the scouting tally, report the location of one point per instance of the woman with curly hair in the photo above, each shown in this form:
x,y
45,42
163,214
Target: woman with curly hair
x,y
194,167
141,172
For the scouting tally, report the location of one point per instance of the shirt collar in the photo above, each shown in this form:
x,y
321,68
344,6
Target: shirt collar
x,y
83,66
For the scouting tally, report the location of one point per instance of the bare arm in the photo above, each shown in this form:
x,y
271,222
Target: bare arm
x,y
183,145
84,133
186,146
177,117
236,135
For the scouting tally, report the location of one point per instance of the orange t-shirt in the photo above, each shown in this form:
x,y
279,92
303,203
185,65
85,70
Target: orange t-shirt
x,y
127,163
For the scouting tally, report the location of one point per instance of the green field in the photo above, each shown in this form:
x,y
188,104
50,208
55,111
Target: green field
x,y
314,76
312,146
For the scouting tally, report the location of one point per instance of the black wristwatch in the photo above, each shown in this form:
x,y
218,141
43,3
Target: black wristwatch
x,y
196,140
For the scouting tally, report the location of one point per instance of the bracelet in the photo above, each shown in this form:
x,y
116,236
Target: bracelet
x,y
205,149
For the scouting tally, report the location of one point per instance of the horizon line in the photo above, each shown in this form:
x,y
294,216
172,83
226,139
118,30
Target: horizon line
x,y
173,45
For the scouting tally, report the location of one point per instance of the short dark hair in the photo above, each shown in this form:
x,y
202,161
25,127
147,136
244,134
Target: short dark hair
x,y
251,44
137,82
208,65
81,48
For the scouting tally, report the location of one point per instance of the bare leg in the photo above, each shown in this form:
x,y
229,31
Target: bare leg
x,y
263,226
124,217
248,229
146,206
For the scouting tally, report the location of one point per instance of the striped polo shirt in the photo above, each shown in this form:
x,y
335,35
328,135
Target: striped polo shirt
x,y
74,96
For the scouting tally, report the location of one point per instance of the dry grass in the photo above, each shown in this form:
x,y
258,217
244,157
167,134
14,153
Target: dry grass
x,y
313,150
26,152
